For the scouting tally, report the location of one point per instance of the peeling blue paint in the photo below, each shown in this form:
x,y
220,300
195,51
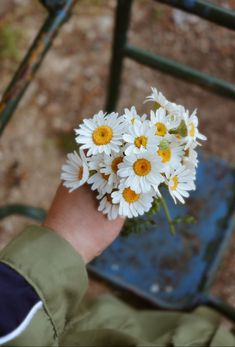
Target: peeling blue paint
x,y
205,9
189,3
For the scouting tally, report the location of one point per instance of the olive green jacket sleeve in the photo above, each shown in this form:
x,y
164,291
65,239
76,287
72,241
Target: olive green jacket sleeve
x,y
58,275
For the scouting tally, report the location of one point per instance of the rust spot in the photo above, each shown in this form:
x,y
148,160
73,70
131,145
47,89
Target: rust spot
x,y
2,106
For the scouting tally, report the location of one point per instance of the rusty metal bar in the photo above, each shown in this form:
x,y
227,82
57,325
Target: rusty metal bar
x,y
25,73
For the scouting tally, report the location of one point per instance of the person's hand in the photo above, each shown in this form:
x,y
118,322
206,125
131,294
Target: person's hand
x,y
75,217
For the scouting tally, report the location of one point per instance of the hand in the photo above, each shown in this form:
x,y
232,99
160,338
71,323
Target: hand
x,y
74,216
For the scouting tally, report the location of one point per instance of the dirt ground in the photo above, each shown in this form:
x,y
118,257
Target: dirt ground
x,y
71,84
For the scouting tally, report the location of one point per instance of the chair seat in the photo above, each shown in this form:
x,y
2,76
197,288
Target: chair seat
x,y
172,271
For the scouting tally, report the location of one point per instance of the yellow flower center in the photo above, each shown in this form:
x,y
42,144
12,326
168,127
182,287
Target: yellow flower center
x,y
191,130
142,167
80,173
105,177
115,163
141,141
161,129
175,183
130,196
102,135
165,154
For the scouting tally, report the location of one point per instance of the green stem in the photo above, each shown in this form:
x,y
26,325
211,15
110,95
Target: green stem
x,y
168,216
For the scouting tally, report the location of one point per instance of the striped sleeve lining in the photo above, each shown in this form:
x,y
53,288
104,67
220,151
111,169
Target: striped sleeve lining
x,y
18,303
23,325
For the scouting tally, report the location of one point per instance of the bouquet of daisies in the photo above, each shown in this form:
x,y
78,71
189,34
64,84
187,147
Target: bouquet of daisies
x,y
128,158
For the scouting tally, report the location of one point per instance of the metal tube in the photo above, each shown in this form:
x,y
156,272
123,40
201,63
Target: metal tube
x,y
23,210
181,71
206,10
122,19
31,63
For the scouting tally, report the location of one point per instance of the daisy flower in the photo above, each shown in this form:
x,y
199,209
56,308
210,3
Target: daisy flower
x,y
107,207
98,180
110,166
131,115
100,134
158,98
128,158
190,159
192,129
170,153
141,171
179,182
175,114
95,162
75,172
140,137
131,203
161,122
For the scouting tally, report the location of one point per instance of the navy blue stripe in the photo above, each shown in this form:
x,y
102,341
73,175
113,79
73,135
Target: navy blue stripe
x,y
17,298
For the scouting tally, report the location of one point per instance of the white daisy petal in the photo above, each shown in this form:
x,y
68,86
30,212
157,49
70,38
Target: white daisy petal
x,y
158,98
108,207
170,153
76,172
130,115
192,129
179,182
110,166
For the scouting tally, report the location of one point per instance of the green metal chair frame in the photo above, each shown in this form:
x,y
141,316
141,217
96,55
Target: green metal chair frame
x,y
58,13
122,49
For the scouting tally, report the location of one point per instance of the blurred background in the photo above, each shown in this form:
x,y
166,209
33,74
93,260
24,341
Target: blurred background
x,y
71,85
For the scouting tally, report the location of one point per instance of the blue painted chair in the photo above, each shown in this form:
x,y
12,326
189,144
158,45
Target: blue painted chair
x,y
175,272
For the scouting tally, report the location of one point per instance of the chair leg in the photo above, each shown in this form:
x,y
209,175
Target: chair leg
x,y
22,210
122,19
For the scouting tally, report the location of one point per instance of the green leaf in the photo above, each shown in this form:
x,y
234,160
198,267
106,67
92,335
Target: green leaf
x,y
155,207
156,106
164,144
92,172
188,219
182,129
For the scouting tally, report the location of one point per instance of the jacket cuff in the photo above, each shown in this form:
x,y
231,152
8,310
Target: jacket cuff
x,y
53,268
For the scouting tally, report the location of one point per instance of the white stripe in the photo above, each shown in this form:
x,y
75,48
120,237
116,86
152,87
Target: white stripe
x,y
23,325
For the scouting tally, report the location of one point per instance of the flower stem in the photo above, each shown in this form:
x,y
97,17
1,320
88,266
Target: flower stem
x,y
168,216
